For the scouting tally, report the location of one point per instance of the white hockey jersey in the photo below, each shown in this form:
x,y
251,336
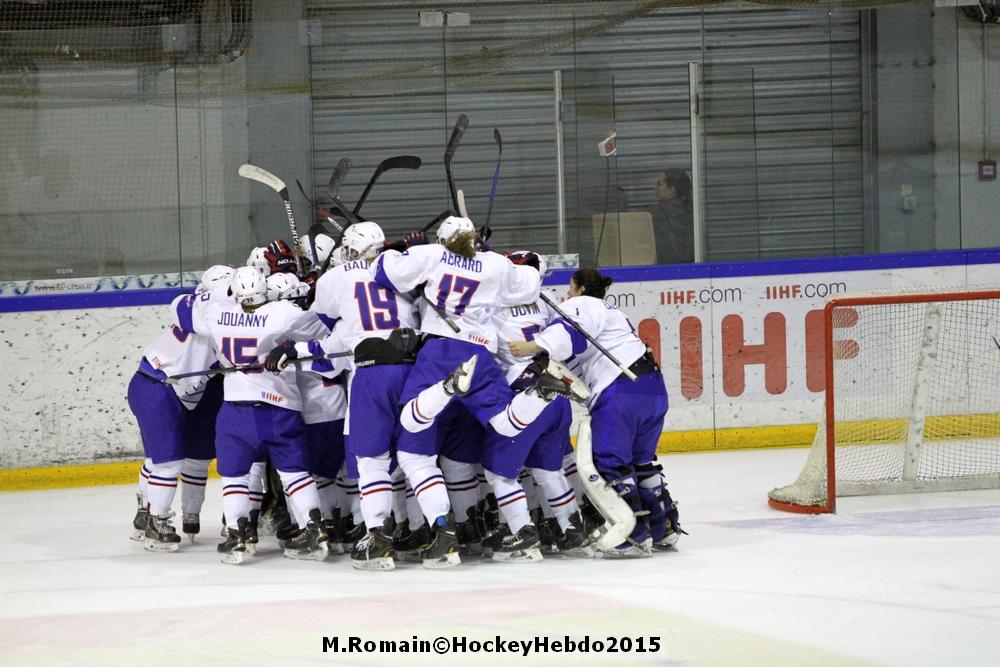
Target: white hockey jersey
x,y
245,338
323,400
348,297
517,324
176,351
469,290
607,325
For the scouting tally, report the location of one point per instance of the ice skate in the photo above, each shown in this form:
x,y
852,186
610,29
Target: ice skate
x,y
558,380
191,525
629,549
253,524
458,383
524,547
334,539
309,543
674,530
592,518
140,520
443,550
493,542
160,535
234,548
574,541
469,540
373,552
408,544
548,534
350,533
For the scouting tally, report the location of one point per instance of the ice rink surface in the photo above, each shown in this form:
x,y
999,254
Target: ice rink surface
x,y
895,580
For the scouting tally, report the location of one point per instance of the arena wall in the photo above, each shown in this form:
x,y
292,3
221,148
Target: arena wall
x,y
738,345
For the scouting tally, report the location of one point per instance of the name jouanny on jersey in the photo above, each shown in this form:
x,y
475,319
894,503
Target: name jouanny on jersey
x,y
242,319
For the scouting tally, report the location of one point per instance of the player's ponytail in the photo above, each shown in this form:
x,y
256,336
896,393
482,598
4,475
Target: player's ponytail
x,y
594,283
463,243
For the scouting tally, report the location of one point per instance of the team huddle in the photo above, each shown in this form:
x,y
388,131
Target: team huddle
x,y
404,402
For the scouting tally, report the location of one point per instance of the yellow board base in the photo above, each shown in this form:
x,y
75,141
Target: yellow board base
x,y
127,472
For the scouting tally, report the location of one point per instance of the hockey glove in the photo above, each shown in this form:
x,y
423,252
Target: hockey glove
x,y
399,246
280,257
279,357
415,238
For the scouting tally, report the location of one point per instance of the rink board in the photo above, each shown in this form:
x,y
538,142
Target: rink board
x,y
732,339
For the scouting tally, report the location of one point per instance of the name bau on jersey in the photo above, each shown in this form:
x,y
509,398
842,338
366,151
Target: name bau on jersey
x,y
242,319
469,264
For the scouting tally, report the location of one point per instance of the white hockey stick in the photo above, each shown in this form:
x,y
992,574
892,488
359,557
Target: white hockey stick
x,y
617,512
255,173
461,205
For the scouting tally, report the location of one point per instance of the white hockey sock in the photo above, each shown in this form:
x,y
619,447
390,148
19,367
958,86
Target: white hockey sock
x,y
463,487
162,485
523,409
413,512
194,476
398,495
144,480
327,490
235,498
512,501
572,476
300,493
419,413
376,489
255,484
484,486
427,481
557,494
530,491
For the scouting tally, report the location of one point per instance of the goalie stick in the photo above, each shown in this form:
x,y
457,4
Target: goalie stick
x,y
485,233
225,370
461,125
396,162
255,173
552,304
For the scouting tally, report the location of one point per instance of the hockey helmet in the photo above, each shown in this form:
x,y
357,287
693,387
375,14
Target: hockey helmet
x,y
363,240
453,225
249,287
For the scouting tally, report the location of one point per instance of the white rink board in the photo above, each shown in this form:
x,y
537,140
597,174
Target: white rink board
x,y
66,371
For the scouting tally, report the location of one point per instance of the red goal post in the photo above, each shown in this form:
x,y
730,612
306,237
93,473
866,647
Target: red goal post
x,y
912,399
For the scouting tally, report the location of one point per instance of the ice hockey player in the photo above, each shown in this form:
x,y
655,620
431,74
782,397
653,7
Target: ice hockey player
x,y
261,412
177,425
626,416
465,285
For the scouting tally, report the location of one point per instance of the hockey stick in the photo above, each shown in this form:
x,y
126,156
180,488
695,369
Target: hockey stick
x,y
397,162
319,209
462,211
629,374
270,180
333,190
461,125
485,233
996,342
174,379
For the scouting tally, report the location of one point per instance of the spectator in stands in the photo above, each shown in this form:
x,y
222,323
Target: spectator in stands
x,y
673,222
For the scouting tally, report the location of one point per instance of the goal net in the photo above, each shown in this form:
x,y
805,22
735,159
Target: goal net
x,y
912,398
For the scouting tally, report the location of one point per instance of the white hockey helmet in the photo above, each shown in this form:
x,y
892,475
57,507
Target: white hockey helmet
x,y
215,279
324,246
453,225
339,256
363,240
249,286
285,286
258,261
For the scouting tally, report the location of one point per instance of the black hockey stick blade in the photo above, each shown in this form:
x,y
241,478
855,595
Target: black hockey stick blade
x,y
338,208
461,125
395,162
441,216
337,177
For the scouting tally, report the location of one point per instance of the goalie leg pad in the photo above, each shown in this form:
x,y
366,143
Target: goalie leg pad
x,y
619,515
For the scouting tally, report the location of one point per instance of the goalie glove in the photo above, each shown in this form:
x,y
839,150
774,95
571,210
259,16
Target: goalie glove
x,y
280,257
280,356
